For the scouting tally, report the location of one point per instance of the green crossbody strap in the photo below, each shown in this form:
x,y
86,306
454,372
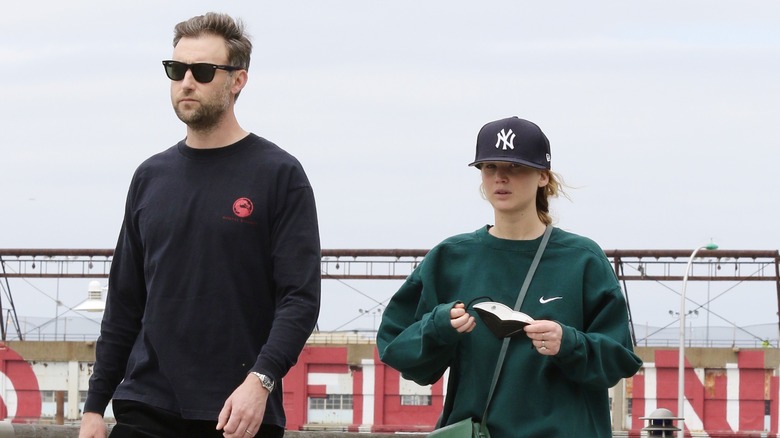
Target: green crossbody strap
x,y
520,298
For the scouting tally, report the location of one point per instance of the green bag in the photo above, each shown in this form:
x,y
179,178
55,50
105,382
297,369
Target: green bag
x,y
467,428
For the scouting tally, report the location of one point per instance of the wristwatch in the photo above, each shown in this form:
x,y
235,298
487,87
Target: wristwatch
x,y
267,382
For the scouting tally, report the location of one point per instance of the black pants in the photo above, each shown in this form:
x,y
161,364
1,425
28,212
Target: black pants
x,y
139,420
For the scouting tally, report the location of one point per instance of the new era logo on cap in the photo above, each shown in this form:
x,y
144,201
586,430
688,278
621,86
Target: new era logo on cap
x,y
513,140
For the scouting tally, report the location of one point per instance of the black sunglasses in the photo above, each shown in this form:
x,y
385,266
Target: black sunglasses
x,y
203,72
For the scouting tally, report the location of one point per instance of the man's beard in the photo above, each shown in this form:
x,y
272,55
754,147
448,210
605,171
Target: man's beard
x,y
207,116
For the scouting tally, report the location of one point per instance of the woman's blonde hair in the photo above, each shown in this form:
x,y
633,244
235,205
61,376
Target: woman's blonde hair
x,y
553,189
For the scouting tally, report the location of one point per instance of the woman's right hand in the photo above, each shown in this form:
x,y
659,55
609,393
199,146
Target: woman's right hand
x,y
461,320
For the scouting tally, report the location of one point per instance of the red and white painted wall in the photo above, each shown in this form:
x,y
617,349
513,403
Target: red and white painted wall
x,y
21,395
727,393
722,398
346,387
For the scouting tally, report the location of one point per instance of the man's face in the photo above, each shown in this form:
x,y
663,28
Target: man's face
x,y
202,106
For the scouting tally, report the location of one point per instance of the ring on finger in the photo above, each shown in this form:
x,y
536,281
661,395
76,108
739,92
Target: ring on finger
x,y
248,432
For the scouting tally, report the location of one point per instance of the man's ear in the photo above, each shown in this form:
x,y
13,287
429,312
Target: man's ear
x,y
240,79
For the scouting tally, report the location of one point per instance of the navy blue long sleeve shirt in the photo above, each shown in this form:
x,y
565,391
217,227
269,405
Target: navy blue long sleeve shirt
x,y
216,273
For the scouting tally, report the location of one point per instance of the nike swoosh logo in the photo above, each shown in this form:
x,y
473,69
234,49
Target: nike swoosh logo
x,y
543,300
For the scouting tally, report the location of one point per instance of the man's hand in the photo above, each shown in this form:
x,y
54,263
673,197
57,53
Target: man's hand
x,y
461,320
92,426
243,411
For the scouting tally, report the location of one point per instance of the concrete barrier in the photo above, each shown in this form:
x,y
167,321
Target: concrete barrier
x,y
8,430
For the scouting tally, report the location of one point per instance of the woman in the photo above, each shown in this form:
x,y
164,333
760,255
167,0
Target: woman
x,y
557,372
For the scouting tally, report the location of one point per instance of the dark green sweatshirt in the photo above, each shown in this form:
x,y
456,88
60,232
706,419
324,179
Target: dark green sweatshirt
x,y
537,396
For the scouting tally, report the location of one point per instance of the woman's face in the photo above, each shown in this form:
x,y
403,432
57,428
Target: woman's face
x,y
511,187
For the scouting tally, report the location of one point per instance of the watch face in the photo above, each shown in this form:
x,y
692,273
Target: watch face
x,y
266,381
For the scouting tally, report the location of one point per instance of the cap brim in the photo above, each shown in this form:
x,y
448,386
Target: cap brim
x,y
510,160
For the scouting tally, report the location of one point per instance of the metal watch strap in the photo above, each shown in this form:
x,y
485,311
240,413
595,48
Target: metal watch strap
x,y
267,382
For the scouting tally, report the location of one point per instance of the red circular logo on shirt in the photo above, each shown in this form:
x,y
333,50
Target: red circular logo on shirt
x,y
243,207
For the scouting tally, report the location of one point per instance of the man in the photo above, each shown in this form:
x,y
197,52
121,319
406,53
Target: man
x,y
215,281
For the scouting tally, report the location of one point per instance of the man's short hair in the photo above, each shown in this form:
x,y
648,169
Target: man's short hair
x,y
232,30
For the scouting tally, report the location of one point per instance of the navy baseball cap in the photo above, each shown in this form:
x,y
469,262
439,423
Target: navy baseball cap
x,y
513,140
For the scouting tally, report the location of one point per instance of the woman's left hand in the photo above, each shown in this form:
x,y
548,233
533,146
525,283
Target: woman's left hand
x,y
546,336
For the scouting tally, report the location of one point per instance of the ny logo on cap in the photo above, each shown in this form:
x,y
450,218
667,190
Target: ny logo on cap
x,y
507,138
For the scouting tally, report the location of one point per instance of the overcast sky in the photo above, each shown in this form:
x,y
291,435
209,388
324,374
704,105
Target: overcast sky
x,y
662,117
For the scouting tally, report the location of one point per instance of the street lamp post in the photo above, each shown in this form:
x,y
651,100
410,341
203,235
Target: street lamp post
x,y
681,361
